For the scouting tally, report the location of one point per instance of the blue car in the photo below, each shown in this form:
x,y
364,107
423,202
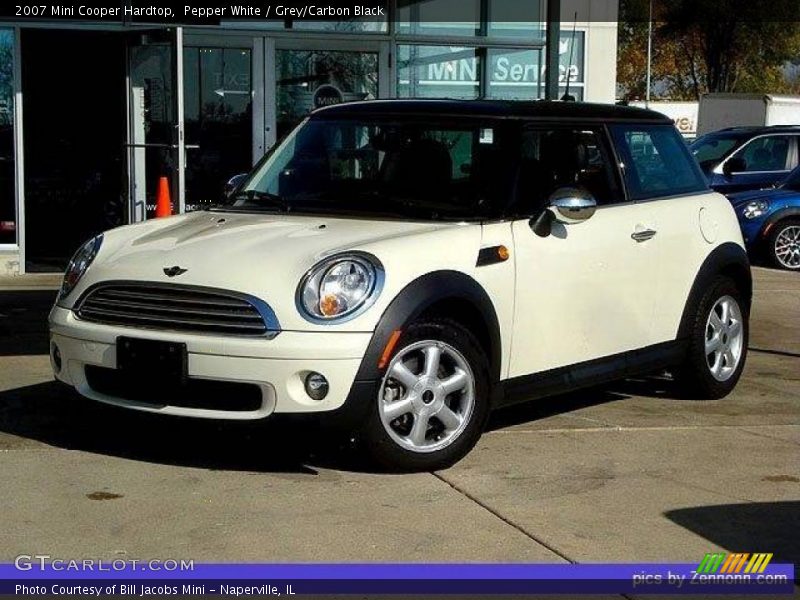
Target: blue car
x,y
747,158
770,221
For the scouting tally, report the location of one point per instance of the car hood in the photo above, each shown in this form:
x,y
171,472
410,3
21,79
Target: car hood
x,y
264,255
741,198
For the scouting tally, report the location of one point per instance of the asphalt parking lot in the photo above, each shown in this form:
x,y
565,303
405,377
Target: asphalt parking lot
x,y
624,473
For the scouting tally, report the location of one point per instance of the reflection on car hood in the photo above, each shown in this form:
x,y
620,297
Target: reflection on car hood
x,y
219,242
263,254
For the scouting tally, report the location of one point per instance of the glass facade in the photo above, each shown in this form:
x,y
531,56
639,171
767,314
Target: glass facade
x,y
438,72
309,79
243,89
218,114
425,71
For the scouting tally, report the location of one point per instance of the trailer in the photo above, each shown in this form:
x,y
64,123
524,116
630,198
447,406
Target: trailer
x,y
718,111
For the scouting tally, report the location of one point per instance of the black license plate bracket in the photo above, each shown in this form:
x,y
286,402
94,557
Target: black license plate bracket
x,y
152,358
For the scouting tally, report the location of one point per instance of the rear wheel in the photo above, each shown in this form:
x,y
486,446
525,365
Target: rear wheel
x,y
433,399
717,344
783,244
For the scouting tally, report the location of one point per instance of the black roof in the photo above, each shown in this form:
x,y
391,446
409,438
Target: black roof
x,y
540,109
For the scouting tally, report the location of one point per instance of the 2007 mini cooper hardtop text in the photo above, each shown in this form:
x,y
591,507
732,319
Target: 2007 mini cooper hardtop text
x,y
406,266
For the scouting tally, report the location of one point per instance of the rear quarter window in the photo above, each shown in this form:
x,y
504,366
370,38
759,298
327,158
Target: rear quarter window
x,y
656,162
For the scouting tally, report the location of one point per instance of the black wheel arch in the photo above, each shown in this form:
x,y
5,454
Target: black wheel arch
x,y
727,259
791,212
449,294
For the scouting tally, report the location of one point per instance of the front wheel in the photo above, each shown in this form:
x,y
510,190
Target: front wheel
x,y
717,343
784,245
433,400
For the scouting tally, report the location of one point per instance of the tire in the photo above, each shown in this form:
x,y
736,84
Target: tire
x,y
783,245
450,420
712,375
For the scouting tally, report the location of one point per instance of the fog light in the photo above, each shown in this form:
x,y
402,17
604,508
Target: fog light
x,y
316,386
55,355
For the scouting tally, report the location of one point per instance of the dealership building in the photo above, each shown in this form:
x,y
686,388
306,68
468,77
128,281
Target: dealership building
x,y
95,113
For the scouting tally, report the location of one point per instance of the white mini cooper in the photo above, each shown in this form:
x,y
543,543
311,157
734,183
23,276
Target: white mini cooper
x,y
407,266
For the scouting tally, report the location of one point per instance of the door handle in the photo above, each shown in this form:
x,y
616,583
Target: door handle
x,y
643,235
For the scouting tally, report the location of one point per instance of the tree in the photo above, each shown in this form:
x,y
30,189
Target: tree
x,y
709,46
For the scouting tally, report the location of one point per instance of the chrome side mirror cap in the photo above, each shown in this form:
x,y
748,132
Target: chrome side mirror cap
x,y
572,205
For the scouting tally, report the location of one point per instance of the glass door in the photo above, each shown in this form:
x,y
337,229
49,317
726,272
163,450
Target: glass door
x,y
309,77
155,147
218,112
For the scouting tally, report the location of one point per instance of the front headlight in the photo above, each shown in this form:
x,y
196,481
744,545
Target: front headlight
x,y
78,264
340,286
755,209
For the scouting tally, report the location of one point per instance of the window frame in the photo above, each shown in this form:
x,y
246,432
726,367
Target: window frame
x,y
616,180
791,154
625,158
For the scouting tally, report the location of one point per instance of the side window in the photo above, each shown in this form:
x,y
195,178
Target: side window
x,y
656,162
768,153
560,157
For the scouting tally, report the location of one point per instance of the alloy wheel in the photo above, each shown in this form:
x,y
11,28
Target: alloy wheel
x,y
787,247
724,340
427,396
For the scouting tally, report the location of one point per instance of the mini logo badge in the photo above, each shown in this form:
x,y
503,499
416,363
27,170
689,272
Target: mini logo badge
x,y
174,271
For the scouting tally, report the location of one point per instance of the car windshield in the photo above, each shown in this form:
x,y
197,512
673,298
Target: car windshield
x,y
390,168
711,148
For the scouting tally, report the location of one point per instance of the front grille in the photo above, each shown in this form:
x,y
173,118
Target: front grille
x,y
175,308
205,394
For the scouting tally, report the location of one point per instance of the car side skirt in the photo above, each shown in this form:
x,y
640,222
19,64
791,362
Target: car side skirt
x,y
592,373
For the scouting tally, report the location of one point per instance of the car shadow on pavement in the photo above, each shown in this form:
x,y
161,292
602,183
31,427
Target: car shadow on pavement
x,y
655,386
753,527
55,415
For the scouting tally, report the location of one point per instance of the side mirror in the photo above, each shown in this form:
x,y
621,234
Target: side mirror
x,y
567,205
572,205
734,164
233,184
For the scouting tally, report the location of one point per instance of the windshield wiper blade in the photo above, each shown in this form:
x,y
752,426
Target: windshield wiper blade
x,y
258,195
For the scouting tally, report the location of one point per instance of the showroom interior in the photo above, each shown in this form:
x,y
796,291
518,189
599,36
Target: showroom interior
x,y
94,114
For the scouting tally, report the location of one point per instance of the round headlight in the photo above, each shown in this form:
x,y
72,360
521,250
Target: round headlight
x,y
755,209
339,287
78,264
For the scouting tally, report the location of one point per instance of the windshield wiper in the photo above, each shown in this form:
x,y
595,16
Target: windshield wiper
x,y
258,195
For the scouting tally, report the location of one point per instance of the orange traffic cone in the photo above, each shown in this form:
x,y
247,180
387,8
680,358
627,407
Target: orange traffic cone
x,y
163,201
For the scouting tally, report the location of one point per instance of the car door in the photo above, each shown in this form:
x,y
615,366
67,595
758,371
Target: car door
x,y
758,164
682,212
586,290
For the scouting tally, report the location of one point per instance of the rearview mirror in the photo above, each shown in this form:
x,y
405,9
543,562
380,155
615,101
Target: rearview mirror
x,y
233,184
572,205
734,164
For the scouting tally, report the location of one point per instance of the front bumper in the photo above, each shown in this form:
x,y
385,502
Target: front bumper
x,y
277,366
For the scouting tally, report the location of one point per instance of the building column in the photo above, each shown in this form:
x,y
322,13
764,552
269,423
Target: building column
x,y
551,49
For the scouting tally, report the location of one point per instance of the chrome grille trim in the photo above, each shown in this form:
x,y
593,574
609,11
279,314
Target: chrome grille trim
x,y
190,309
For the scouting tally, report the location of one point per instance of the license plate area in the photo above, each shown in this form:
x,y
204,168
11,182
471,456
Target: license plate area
x,y
166,361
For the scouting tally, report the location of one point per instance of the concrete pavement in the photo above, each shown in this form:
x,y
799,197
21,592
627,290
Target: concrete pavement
x,y
623,473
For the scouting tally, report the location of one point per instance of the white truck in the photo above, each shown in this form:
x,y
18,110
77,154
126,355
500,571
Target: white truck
x,y
718,111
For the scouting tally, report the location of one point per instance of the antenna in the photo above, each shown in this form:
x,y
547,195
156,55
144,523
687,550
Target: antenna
x,y
566,96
